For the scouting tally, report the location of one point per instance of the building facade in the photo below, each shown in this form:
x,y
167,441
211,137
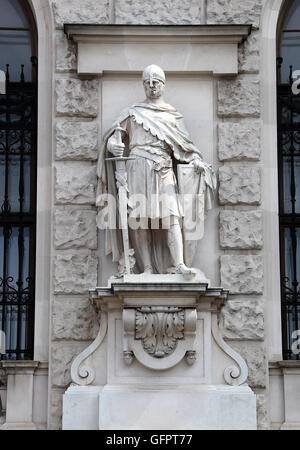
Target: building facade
x,y
246,126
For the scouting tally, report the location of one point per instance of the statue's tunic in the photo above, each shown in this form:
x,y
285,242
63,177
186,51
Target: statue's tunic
x,y
150,176
156,137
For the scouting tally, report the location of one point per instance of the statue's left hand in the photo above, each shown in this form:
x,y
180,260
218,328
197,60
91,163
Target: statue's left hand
x,y
198,165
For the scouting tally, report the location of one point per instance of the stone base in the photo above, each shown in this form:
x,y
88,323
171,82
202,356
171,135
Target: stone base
x,y
154,407
198,277
81,408
177,408
18,426
159,362
290,426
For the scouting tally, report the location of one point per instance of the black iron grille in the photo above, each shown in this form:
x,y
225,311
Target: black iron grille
x,y
18,143
288,108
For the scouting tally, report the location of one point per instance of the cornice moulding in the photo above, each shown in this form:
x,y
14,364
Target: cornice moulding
x,y
177,48
197,33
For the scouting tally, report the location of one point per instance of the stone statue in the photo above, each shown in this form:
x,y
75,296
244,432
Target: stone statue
x,y
140,167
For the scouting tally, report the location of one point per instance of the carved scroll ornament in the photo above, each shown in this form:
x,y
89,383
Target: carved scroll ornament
x,y
159,336
233,375
84,375
159,329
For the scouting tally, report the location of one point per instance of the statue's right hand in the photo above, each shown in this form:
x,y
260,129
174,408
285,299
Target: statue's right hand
x,y
116,149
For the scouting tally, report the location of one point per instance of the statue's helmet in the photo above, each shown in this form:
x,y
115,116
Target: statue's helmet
x,y
154,72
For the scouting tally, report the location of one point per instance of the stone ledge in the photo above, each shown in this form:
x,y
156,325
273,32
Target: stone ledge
x,y
99,47
288,364
19,367
209,33
119,287
18,426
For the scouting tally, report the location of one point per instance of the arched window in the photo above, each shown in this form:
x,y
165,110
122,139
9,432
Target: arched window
x,y
18,134
288,102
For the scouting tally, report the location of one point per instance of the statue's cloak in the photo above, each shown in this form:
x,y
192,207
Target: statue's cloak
x,y
165,123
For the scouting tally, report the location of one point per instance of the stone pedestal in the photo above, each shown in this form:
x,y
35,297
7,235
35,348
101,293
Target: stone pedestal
x,y
19,410
160,407
159,361
291,382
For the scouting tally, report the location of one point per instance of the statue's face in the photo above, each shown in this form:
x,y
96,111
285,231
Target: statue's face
x,y
154,88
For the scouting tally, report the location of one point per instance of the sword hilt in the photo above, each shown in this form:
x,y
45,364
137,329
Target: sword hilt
x,y
118,133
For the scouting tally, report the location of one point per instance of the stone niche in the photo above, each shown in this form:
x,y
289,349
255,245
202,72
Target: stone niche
x,y
128,378
193,58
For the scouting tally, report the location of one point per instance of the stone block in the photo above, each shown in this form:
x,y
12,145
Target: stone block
x,y
239,141
242,274
177,407
3,378
66,53
74,273
239,184
75,184
80,11
234,12
74,319
62,355
241,229
75,228
262,412
254,354
242,320
239,97
248,54
76,140
55,409
153,12
76,97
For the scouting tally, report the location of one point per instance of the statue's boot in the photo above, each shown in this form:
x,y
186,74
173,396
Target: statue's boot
x,y
175,244
184,270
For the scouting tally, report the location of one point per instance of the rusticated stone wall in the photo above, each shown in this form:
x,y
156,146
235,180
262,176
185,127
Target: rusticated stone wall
x,y
74,215
238,131
240,184
158,12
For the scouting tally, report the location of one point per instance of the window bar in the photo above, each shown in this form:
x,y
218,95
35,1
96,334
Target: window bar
x,y
33,138
14,29
293,200
5,291
21,230
279,64
5,208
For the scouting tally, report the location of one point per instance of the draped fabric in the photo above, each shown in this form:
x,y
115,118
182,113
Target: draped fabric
x,y
158,130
